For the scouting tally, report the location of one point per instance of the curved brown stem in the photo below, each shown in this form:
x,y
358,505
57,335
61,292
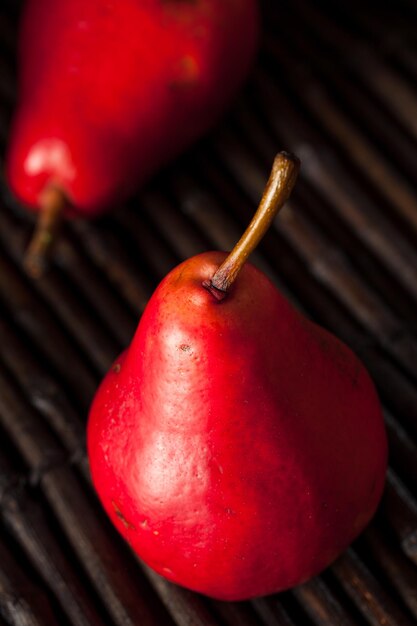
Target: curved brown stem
x,y
278,189
52,204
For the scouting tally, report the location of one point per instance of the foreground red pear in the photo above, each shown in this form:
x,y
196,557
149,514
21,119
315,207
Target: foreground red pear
x,y
237,446
111,91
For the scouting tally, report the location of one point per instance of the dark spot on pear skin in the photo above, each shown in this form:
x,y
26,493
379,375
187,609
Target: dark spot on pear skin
x,y
185,348
187,73
179,277
120,515
116,368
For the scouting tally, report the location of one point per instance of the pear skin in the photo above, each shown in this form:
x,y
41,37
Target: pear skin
x,y
237,446
109,92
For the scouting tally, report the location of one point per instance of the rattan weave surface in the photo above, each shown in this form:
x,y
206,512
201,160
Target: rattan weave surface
x,y
336,83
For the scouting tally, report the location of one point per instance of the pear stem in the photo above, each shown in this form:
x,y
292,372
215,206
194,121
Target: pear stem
x,y
52,204
278,189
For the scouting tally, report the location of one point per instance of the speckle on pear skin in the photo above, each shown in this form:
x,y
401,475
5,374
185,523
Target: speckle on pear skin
x,y
187,72
120,515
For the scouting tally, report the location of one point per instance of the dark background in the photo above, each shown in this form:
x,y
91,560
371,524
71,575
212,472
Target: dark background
x,y
336,84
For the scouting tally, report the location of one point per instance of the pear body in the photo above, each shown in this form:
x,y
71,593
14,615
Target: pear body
x,y
237,446
111,91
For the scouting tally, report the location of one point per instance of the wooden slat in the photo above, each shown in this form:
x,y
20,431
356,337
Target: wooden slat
x,y
335,83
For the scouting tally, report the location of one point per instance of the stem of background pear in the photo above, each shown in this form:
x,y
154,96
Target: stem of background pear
x,y
52,204
278,189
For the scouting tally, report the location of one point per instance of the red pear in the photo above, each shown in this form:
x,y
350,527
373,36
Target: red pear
x,y
112,90
236,445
